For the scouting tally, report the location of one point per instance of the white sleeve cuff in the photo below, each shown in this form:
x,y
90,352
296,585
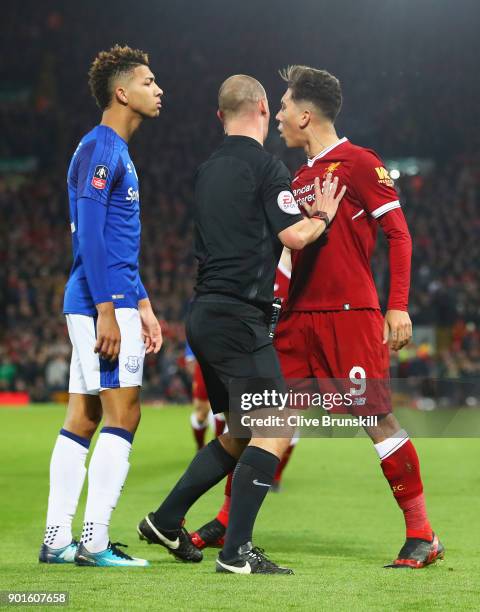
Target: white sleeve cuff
x,y
381,210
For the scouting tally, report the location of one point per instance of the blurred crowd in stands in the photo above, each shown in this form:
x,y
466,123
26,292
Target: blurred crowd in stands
x,y
413,103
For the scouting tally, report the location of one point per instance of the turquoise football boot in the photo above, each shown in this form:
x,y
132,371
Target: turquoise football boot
x,y
112,556
58,555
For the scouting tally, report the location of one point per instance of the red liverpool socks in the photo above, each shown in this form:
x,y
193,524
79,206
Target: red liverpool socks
x,y
416,518
400,465
199,430
224,511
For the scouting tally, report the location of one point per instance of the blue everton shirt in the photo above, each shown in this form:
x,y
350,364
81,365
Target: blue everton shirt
x,y
105,223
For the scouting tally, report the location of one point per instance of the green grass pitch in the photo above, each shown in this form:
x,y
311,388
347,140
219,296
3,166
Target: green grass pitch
x,y
335,523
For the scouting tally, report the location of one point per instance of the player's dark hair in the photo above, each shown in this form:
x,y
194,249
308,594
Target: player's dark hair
x,y
316,86
107,66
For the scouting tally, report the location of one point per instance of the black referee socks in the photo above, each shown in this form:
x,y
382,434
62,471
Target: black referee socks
x,y
207,468
251,482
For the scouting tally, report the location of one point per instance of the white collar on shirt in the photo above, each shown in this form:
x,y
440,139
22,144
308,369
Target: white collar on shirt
x,y
312,160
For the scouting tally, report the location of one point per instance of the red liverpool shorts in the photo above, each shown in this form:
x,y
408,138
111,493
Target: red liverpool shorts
x,y
199,388
346,346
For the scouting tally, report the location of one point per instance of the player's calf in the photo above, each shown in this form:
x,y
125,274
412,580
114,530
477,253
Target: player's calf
x,y
121,408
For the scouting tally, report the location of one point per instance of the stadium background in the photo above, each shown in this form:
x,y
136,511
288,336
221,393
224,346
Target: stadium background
x,y
409,71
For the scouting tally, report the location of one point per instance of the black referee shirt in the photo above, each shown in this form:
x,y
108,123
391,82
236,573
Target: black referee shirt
x,y
242,201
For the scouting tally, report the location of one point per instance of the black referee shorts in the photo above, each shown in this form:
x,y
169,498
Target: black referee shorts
x,y
231,343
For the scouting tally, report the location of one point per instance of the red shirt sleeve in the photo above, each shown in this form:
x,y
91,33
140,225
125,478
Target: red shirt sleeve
x,y
375,191
372,186
400,254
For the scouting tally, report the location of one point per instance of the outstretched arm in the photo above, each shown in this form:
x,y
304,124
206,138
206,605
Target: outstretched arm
x,y
320,214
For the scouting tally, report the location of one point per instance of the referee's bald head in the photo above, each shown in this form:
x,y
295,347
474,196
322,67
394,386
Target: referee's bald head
x,y
239,95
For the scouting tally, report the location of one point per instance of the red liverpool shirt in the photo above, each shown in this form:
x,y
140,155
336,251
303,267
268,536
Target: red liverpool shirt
x,y
334,272
282,280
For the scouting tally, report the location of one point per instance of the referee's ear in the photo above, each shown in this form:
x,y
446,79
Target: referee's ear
x,y
220,116
263,105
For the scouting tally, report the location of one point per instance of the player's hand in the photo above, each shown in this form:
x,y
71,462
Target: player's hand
x,y
151,330
327,198
108,332
397,328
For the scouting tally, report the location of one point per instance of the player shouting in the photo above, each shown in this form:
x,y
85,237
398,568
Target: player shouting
x,y
333,327
110,320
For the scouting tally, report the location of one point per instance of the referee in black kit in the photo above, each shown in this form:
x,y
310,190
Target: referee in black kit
x,y
244,213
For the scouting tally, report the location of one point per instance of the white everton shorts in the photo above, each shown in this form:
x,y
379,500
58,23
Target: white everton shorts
x,y
88,373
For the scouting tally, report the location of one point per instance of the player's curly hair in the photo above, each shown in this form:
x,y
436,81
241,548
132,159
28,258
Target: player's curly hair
x,y
316,86
107,66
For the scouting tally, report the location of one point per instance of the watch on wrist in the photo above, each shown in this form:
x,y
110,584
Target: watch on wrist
x,y
323,216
